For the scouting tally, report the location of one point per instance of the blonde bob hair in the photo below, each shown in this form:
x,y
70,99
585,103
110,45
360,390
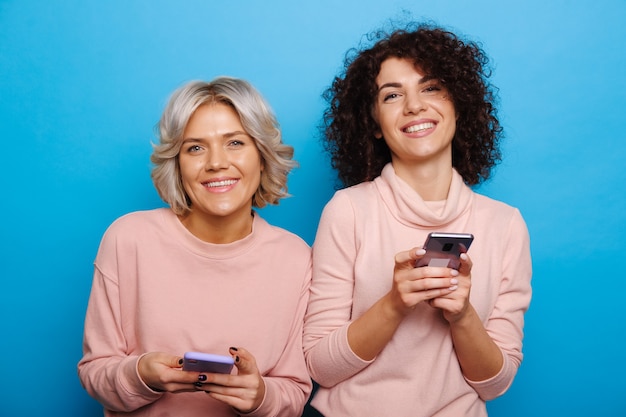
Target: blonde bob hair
x,y
257,119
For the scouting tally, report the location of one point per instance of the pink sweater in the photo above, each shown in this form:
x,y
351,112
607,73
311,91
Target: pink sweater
x,y
157,287
417,373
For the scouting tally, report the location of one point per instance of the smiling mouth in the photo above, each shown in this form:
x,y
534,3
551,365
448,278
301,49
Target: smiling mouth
x,y
420,127
217,184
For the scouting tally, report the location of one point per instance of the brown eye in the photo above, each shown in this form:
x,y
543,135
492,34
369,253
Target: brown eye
x,y
390,96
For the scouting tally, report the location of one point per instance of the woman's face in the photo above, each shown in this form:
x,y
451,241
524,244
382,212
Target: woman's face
x,y
416,116
220,164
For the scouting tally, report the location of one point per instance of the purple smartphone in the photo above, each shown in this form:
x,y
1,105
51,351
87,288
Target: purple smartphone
x,y
207,362
444,249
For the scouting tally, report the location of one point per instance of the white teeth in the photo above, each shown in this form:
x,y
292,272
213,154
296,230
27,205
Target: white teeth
x,y
419,127
220,183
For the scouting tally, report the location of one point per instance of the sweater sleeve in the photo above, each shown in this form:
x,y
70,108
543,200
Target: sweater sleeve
x,y
505,324
288,385
105,370
329,357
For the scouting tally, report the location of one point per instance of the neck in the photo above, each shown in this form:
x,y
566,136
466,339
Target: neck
x,y
430,182
218,230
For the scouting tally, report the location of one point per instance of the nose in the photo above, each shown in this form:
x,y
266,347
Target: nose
x,y
216,159
413,103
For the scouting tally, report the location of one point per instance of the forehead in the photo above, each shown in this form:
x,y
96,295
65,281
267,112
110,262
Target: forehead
x,y
214,116
397,69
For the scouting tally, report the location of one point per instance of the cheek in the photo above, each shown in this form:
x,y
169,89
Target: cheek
x,y
190,166
250,163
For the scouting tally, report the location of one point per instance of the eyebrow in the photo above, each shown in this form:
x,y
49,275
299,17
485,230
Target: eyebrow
x,y
235,133
422,80
226,135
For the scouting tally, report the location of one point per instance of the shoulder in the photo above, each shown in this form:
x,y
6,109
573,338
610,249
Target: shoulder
x,y
484,203
277,236
499,214
137,227
352,198
135,221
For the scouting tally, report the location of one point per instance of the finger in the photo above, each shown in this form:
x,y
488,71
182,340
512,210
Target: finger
x,y
244,361
176,362
408,258
466,264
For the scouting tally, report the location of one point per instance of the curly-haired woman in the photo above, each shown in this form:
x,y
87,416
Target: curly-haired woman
x,y
411,125
205,274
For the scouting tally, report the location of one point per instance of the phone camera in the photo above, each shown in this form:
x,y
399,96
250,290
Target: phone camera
x,y
447,247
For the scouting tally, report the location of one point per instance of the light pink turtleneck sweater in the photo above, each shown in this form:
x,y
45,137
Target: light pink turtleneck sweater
x,y
417,373
157,287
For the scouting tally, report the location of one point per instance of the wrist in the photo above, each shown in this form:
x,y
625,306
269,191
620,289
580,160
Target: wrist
x,y
463,318
392,311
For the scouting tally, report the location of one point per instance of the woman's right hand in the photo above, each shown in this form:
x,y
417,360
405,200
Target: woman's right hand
x,y
162,372
413,285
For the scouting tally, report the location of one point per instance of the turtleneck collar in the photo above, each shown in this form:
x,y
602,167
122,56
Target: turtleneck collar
x,y
409,208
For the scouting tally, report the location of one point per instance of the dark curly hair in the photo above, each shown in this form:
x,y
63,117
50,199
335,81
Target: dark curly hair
x,y
349,127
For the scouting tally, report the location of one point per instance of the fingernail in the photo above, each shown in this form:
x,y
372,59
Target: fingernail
x,y
180,361
454,272
237,359
202,377
233,348
454,281
198,384
454,287
420,252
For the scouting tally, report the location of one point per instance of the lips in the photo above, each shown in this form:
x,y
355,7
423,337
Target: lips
x,y
419,127
219,183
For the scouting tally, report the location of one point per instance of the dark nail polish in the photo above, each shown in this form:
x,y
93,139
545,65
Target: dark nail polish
x,y
233,348
198,384
237,359
202,378
180,361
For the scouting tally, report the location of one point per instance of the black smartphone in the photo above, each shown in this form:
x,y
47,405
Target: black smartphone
x,y
444,249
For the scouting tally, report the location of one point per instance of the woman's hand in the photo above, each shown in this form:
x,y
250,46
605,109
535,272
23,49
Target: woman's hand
x,y
161,372
456,304
413,285
244,391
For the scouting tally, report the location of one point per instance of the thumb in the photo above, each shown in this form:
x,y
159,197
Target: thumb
x,y
244,361
406,259
176,362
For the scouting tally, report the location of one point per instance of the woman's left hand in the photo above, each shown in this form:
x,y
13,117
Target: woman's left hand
x,y
456,303
244,391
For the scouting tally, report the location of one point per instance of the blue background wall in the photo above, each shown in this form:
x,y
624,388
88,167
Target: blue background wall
x,y
82,83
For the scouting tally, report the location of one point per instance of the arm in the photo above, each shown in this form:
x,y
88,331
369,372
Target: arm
x,y
327,352
105,370
108,370
490,353
288,384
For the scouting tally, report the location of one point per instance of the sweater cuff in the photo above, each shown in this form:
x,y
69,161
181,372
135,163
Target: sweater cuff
x,y
265,408
497,384
133,383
